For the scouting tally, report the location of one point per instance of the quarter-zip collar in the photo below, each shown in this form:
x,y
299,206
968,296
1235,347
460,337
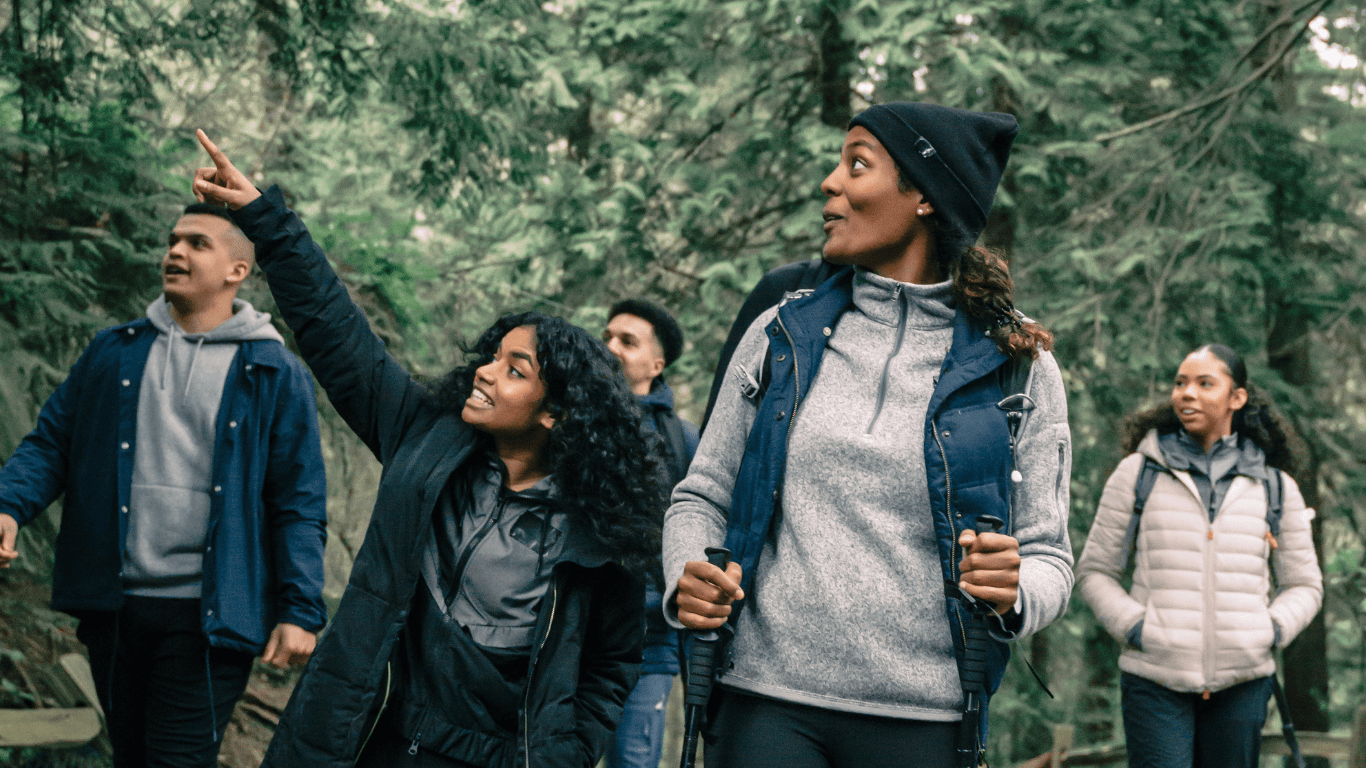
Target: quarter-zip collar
x,y
889,302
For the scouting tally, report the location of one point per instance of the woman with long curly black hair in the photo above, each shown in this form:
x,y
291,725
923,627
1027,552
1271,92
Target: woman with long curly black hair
x,y
1206,502
493,616
854,452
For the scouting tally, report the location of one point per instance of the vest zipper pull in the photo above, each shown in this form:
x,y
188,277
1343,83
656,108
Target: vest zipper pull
x,y
1205,695
412,748
1270,539
1209,535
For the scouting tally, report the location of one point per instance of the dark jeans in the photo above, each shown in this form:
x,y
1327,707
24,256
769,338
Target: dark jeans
x,y
167,695
640,734
1166,729
754,732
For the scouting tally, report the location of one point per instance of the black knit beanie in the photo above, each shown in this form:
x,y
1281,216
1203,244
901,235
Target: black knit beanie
x,y
952,156
668,333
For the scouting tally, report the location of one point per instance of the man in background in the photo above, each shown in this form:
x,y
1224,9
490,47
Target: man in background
x,y
187,446
647,340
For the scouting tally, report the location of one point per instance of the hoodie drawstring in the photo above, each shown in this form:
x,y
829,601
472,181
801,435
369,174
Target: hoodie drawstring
x,y
170,348
193,362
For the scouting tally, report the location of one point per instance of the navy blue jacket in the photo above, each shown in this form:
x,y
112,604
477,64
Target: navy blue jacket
x,y
967,449
661,640
263,563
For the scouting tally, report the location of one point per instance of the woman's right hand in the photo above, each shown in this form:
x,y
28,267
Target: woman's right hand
x,y
705,594
222,183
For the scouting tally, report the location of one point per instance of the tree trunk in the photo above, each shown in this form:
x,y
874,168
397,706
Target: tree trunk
x,y
837,59
1288,353
278,85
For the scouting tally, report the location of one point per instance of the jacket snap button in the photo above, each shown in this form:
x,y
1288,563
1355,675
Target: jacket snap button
x,y
232,425
782,358
124,510
210,612
124,446
775,495
130,331
781,414
945,433
218,489
248,366
126,382
775,331
826,331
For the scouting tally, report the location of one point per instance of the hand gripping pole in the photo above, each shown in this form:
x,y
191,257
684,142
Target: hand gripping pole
x,y
706,656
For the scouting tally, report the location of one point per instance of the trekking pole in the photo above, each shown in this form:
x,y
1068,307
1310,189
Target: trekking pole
x,y
1287,727
706,652
973,675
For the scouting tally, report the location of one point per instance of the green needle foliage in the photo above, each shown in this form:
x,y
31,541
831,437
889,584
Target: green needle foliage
x,y
1186,172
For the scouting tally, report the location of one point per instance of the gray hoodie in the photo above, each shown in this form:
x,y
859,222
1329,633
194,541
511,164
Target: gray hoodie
x,y
847,609
168,511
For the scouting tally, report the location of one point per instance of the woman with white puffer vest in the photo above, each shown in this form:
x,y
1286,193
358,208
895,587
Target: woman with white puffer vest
x,y
1224,566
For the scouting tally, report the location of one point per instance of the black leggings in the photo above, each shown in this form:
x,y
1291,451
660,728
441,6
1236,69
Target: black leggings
x,y
755,732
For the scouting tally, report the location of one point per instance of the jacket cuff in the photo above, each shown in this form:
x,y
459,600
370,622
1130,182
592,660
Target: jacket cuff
x,y
248,217
1134,636
305,619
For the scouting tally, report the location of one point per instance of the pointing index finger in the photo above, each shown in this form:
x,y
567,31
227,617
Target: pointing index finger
x,y
219,159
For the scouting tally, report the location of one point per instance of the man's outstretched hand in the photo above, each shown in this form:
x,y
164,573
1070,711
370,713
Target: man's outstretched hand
x,y
289,644
222,183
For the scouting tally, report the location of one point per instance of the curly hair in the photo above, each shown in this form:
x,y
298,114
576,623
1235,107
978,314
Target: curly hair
x,y
983,288
604,464
1259,420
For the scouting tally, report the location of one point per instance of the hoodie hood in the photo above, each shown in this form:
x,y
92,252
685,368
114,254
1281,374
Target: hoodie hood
x,y
661,397
246,324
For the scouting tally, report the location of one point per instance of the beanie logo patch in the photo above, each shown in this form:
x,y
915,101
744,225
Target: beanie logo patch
x,y
925,148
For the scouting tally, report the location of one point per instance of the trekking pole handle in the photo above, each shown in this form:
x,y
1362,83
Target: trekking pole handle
x,y
988,524
718,556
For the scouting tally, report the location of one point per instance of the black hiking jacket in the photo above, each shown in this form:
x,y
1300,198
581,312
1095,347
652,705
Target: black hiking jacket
x,y
591,631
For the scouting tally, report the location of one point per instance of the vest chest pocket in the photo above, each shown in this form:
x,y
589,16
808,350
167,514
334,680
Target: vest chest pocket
x,y
976,443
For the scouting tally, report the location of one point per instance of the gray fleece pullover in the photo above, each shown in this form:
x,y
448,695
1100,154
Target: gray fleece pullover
x,y
847,609
168,511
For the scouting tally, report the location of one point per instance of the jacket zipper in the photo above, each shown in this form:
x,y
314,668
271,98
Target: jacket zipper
x,y
948,510
1207,604
797,378
526,703
903,312
388,674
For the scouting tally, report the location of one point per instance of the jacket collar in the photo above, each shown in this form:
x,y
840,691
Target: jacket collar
x,y
1251,459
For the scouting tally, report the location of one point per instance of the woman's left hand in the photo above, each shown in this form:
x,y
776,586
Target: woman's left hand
x,y
990,570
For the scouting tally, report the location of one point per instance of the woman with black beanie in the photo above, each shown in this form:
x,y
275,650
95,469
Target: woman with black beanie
x,y
1206,503
854,453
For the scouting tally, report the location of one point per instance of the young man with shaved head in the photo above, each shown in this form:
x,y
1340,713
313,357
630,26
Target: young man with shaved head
x,y
186,444
646,340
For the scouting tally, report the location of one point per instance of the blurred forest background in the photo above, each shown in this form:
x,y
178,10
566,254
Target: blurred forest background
x,y
1188,171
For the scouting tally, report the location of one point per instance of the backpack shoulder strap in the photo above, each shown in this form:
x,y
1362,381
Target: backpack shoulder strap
x,y
1143,487
811,275
675,443
1147,476
1275,500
